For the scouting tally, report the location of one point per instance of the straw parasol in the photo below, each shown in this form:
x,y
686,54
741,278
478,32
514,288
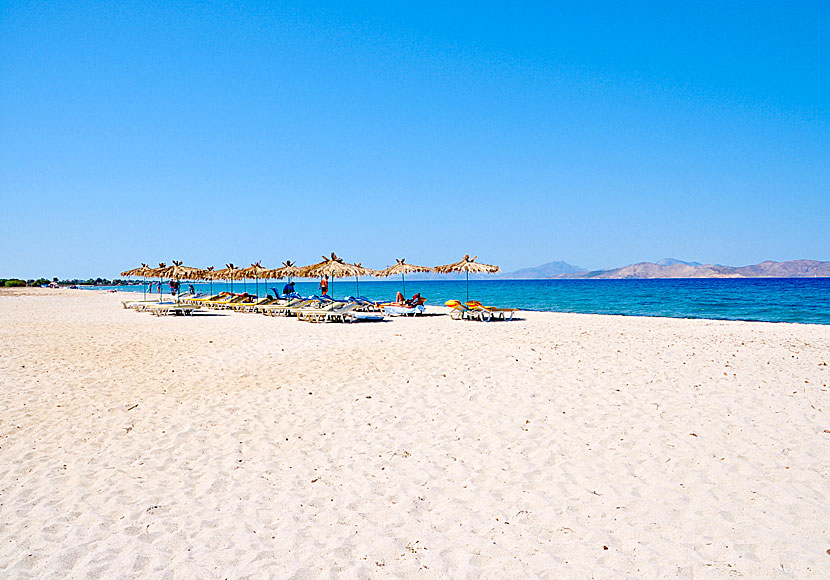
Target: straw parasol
x,y
361,270
142,271
178,272
255,271
467,265
207,274
229,272
403,268
288,270
333,267
158,273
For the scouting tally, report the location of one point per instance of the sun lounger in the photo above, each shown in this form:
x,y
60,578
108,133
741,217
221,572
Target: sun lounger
x,y
251,306
289,309
135,304
202,298
142,306
174,309
403,309
358,316
460,311
277,308
496,313
221,304
364,304
334,312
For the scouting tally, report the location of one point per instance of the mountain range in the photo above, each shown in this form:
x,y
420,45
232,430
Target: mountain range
x,y
672,268
548,270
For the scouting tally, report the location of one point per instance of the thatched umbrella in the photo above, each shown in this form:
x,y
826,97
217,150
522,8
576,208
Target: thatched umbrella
x,y
208,274
229,272
333,267
142,271
288,270
158,273
403,268
255,271
361,270
178,272
467,265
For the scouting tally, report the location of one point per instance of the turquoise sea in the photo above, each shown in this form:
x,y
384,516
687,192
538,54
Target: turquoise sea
x,y
804,300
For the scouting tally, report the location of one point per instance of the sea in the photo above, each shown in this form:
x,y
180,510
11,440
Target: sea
x,y
799,300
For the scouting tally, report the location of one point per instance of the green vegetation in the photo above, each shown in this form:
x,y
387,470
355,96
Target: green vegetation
x,y
16,282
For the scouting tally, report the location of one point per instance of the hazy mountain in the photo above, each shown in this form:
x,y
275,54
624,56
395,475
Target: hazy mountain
x,y
673,261
678,269
548,270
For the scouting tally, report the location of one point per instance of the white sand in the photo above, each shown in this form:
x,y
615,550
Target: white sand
x,y
558,446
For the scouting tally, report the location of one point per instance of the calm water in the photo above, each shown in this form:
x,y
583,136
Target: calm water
x,y
805,300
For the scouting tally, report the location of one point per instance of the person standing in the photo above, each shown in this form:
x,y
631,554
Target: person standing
x,y
324,285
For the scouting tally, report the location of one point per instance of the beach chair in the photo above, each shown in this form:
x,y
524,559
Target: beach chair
x,y
174,309
226,302
364,304
202,298
364,316
276,307
251,306
146,306
290,309
135,304
460,311
396,309
334,312
496,313
208,297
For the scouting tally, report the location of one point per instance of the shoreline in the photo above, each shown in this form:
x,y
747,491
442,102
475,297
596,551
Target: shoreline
x,y
624,314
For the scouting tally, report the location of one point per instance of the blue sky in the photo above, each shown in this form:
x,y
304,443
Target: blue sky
x,y
600,135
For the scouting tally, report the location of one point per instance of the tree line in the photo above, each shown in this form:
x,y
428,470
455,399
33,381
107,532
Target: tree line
x,y
19,282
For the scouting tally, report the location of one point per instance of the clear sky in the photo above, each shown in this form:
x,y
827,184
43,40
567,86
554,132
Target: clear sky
x,y
214,132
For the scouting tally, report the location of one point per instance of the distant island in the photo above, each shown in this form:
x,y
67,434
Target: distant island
x,y
673,268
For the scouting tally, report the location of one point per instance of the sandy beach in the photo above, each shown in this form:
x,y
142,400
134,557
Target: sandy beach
x,y
554,446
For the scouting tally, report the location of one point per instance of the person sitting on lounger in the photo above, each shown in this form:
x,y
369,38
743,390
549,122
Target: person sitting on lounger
x,y
288,289
416,300
399,299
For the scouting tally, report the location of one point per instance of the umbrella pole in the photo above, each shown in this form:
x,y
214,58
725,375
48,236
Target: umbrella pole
x,y
144,287
357,283
468,285
177,291
403,279
257,286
